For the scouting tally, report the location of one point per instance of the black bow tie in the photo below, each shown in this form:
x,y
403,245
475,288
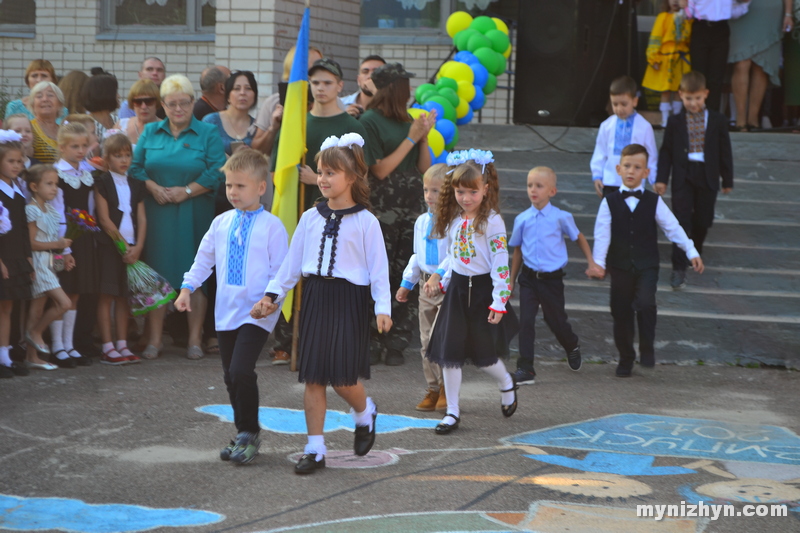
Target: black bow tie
x,y
637,194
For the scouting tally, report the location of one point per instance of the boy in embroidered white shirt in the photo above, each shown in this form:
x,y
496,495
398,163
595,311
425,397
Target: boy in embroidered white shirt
x,y
246,245
428,253
619,130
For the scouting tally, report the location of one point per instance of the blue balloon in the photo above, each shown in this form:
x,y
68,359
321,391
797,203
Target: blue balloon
x,y
465,56
416,106
442,157
478,102
430,106
447,128
466,118
481,75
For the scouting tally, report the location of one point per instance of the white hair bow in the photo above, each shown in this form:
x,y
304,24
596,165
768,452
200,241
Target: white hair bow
x,y
7,136
109,133
345,141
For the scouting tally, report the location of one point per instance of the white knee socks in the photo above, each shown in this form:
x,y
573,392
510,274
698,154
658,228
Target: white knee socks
x,y
69,328
452,384
5,359
665,109
56,335
677,105
500,374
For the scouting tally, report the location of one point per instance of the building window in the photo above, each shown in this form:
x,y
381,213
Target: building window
x,y
157,19
17,18
402,14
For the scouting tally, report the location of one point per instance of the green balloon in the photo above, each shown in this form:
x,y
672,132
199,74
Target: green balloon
x,y
453,143
449,110
462,38
483,24
445,82
491,84
451,95
478,41
488,59
499,40
421,90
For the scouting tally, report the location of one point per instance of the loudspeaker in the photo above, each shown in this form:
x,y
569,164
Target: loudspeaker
x,y
559,47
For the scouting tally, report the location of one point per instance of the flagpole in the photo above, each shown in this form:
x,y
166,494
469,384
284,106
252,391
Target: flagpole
x,y
298,292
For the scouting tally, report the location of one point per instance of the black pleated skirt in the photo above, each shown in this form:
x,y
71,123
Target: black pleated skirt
x,y
84,278
462,332
334,332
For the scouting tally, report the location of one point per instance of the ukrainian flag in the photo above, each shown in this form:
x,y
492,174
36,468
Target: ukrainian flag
x,y
292,146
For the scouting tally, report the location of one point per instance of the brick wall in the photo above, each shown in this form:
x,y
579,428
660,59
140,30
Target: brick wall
x,y
256,34
424,61
66,36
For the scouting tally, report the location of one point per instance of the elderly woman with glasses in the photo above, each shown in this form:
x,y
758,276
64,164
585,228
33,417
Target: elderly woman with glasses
x,y
145,100
38,70
178,159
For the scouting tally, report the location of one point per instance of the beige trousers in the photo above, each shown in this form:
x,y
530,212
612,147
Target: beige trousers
x,y
428,309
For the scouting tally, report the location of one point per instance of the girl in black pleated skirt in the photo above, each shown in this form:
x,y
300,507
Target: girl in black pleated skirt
x,y
339,251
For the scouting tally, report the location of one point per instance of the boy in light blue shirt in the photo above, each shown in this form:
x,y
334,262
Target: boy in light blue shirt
x,y
540,255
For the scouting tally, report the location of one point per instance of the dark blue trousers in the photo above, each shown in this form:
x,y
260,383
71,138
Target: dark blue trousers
x,y
633,295
239,350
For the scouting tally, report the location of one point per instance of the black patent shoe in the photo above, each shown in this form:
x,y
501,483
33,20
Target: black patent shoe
x,y
67,362
6,372
444,429
364,438
308,464
623,371
509,410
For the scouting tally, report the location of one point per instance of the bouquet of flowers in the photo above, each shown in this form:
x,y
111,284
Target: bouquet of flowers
x,y
147,289
5,222
80,222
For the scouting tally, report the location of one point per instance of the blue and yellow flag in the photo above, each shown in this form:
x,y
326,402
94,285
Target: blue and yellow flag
x,y
292,146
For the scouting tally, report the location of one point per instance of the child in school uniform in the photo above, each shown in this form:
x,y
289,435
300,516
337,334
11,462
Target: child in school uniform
x,y
697,151
76,187
476,264
540,254
246,245
338,249
428,253
15,249
120,210
43,228
626,245
624,127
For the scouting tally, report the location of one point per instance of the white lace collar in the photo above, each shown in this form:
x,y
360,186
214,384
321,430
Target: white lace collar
x,y
73,178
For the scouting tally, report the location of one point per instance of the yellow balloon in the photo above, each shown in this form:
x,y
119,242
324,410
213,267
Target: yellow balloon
x,y
462,110
436,142
457,70
460,20
500,25
507,53
466,91
416,112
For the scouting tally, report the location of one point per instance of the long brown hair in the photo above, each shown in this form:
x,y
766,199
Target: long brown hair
x,y
467,175
351,162
392,100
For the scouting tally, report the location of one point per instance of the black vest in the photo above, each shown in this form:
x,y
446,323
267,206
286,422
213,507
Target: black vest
x,y
634,235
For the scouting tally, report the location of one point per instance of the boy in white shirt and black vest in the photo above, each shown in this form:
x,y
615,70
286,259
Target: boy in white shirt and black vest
x,y
697,151
626,244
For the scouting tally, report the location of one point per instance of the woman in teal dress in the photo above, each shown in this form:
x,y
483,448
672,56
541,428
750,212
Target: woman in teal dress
x,y
179,159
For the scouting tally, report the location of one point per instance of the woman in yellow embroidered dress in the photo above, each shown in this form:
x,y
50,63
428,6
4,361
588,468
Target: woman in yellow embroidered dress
x,y
668,57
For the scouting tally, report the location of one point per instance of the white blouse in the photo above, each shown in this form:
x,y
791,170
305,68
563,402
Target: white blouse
x,y
247,248
474,254
360,256
124,197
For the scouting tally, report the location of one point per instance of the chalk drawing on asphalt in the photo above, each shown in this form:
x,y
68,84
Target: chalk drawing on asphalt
x,y
64,514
